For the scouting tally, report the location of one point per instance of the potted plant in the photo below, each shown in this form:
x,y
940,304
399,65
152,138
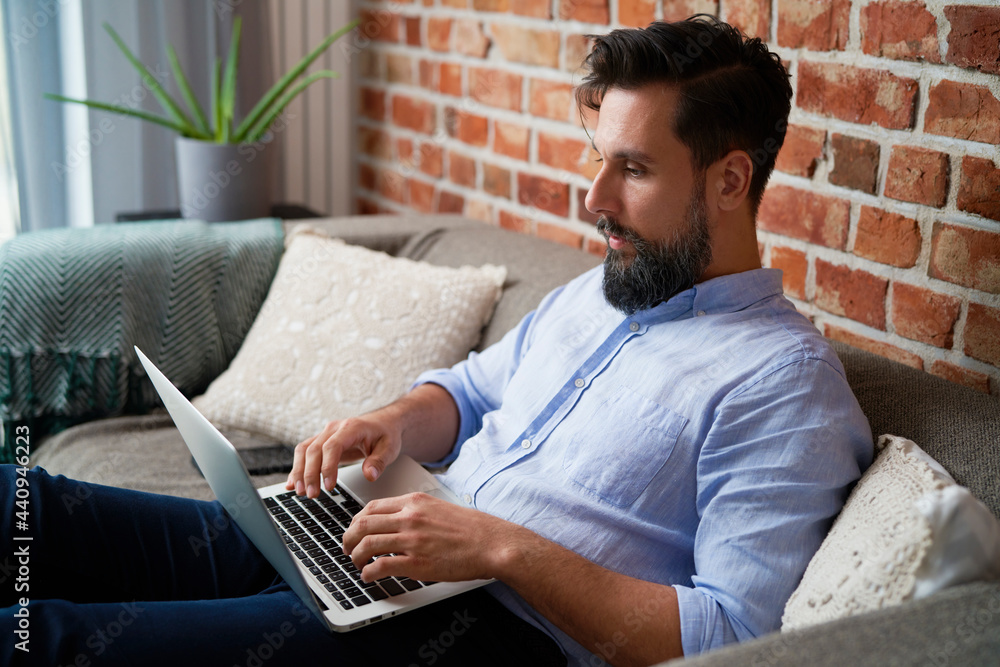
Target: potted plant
x,y
224,170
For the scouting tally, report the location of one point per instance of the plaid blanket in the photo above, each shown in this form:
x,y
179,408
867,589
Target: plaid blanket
x,y
73,302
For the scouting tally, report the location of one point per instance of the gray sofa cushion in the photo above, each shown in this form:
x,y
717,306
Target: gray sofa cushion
x,y
958,426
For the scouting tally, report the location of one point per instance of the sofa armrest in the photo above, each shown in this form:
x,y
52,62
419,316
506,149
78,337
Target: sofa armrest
x,y
958,626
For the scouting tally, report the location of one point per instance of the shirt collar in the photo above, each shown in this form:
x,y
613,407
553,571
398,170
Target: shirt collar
x,y
725,294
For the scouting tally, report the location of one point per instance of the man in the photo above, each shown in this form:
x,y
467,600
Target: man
x,y
648,461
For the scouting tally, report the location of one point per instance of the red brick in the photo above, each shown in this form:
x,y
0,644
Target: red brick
x,y
461,169
398,68
479,209
923,315
974,36
567,154
636,13
888,238
539,9
855,163
588,11
470,40
678,10
817,25
982,333
430,159
805,215
413,37
421,196
366,206
404,152
511,139
596,247
449,202
524,45
375,143
963,111
467,127
495,88
414,114
802,149
439,34
794,266
366,176
900,30
459,4
979,191
490,5
857,95
751,16
514,223
379,25
543,193
428,74
960,375
372,103
391,185
874,346
918,175
450,79
559,234
965,256
577,48
856,294
550,99
581,208
496,180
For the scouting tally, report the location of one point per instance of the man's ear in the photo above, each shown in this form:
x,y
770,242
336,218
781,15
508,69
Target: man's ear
x,y
732,179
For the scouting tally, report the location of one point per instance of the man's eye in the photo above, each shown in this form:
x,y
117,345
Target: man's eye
x,y
632,171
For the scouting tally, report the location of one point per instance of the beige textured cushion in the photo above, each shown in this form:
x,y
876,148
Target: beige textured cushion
x,y
345,330
907,531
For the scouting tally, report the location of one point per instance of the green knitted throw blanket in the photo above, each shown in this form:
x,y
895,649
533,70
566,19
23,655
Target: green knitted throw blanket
x,y
73,302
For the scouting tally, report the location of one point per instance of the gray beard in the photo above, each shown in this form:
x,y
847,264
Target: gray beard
x,y
659,270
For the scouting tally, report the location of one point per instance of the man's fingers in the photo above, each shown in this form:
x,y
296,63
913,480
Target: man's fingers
x,y
298,463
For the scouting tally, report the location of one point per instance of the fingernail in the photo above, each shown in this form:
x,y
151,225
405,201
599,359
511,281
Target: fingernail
x,y
299,487
373,471
311,491
328,483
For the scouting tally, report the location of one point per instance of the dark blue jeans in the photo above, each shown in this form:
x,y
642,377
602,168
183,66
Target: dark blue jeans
x,y
117,577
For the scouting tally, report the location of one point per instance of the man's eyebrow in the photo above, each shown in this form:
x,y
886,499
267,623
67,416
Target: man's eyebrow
x,y
632,155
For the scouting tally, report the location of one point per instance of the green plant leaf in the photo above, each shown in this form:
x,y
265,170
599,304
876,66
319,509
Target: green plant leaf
x,y
229,81
124,111
253,118
185,86
217,100
167,102
260,128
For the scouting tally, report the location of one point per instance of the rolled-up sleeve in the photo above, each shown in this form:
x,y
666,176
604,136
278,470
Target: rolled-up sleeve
x,y
772,475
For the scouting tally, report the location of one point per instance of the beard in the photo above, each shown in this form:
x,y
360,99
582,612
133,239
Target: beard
x,y
659,269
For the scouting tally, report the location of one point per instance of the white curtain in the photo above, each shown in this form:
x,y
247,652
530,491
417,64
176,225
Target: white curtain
x,y
80,166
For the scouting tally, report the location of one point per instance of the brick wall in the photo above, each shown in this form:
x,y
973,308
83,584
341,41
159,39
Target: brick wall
x,y
884,210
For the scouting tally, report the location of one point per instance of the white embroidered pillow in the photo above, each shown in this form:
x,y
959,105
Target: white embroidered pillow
x,y
907,531
345,330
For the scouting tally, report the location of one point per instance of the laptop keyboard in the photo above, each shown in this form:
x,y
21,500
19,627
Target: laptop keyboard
x,y
313,529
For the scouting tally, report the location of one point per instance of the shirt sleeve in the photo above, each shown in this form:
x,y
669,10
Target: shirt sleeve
x,y
774,470
477,384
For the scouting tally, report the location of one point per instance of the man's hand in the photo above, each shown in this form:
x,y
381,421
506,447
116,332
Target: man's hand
x,y
374,437
431,538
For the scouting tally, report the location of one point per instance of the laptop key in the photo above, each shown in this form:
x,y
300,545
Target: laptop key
x,y
301,555
393,588
322,560
409,584
360,600
346,605
376,593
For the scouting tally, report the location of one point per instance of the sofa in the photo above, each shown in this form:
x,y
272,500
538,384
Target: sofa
x,y
957,426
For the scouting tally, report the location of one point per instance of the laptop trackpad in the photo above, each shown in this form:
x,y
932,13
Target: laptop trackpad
x,y
404,476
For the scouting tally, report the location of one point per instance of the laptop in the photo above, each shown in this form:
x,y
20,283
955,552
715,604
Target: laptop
x,y
301,537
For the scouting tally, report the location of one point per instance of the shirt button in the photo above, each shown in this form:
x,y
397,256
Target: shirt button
x,y
579,382
634,326
701,313
525,444
467,498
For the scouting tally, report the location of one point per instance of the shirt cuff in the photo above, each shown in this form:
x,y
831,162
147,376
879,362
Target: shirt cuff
x,y
447,381
704,625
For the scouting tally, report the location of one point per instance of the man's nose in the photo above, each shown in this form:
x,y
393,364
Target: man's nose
x,y
600,199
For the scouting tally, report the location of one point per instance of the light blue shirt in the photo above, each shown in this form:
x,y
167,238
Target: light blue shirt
x,y
706,443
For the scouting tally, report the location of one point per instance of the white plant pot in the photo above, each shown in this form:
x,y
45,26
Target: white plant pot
x,y
225,182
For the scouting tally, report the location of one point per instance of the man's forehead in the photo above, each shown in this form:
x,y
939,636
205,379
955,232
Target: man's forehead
x,y
635,123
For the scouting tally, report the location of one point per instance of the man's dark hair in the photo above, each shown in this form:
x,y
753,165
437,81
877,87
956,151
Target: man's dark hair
x,y
734,93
